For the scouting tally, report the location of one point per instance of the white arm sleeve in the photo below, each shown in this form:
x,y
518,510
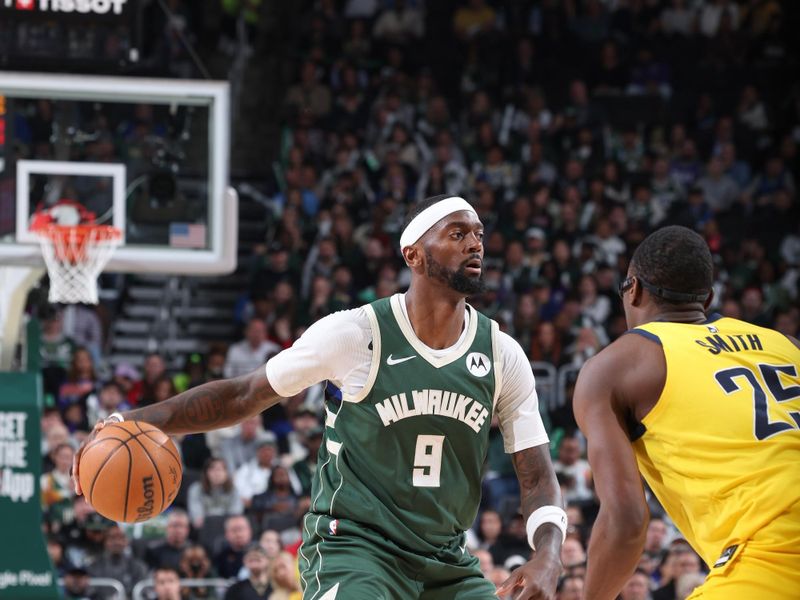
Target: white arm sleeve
x,y
517,404
330,349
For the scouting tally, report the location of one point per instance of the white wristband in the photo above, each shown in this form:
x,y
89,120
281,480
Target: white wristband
x,y
116,416
546,514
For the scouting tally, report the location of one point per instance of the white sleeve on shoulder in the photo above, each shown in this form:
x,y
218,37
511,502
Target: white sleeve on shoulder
x,y
328,350
518,404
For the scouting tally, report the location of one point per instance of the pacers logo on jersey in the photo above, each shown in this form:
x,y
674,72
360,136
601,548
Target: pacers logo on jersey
x,y
478,364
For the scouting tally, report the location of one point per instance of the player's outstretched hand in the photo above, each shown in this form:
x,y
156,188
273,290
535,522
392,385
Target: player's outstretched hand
x,y
537,579
76,459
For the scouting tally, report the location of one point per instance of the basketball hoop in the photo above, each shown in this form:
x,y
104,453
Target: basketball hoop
x,y
75,255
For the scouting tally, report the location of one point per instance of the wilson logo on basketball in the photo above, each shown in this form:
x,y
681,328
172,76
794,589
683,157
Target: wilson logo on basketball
x,y
146,510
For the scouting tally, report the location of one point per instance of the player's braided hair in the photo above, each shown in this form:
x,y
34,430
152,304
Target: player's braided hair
x,y
675,258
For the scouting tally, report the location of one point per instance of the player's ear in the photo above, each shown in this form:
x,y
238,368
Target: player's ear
x,y
709,300
413,256
636,292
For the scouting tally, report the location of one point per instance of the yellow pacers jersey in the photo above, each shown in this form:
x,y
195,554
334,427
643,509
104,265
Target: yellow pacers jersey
x,y
721,449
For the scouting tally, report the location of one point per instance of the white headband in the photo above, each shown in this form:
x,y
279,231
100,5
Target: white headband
x,y
430,216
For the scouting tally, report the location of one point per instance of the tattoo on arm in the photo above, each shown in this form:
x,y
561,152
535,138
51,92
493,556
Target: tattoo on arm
x,y
539,487
537,480
210,406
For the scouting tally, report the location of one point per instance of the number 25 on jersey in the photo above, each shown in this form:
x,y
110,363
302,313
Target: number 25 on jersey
x,y
731,379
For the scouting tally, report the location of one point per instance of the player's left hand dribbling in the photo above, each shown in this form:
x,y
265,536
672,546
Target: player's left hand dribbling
x,y
76,459
537,579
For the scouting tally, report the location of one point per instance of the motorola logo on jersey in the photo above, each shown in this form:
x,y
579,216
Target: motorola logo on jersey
x,y
478,364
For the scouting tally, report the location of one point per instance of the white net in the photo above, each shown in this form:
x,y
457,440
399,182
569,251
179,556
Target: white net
x,y
75,256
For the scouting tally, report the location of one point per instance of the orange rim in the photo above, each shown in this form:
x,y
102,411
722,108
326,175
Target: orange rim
x,y
70,243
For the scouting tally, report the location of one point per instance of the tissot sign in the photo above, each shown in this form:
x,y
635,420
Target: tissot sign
x,y
96,7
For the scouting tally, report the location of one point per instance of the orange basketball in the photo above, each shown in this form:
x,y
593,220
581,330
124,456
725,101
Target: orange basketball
x,y
130,472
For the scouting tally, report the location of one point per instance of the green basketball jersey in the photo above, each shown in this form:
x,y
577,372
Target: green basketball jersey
x,y
404,457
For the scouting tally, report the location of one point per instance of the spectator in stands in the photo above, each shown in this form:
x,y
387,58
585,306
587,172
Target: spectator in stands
x,y
680,18
163,388
81,381
694,213
126,376
176,540
571,588
57,484
195,564
400,24
240,449
572,553
546,344
680,560
687,583
309,96
117,563
213,495
257,586
283,575
110,399
167,583
774,177
215,365
54,433
485,560
55,550
490,526
270,540
303,470
56,350
656,540
595,307
276,507
720,190
238,535
193,449
512,543
142,392
85,536
253,476
252,351
571,464
82,325
637,587
304,420
586,345
76,585
193,373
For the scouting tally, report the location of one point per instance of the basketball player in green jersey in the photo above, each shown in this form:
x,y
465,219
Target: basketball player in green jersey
x,y
412,384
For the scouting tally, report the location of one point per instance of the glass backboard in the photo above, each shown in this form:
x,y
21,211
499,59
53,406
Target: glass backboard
x,y
149,156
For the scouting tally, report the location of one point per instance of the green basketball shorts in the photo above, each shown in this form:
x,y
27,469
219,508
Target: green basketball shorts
x,y
342,560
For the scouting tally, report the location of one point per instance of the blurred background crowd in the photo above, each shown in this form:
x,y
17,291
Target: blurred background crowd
x,y
575,128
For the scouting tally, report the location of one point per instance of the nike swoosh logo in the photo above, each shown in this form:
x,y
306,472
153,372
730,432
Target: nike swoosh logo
x,y
396,361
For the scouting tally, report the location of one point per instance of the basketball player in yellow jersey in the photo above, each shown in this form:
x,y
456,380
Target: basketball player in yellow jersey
x,y
709,408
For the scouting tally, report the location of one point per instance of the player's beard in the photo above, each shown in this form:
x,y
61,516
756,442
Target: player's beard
x,y
457,280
